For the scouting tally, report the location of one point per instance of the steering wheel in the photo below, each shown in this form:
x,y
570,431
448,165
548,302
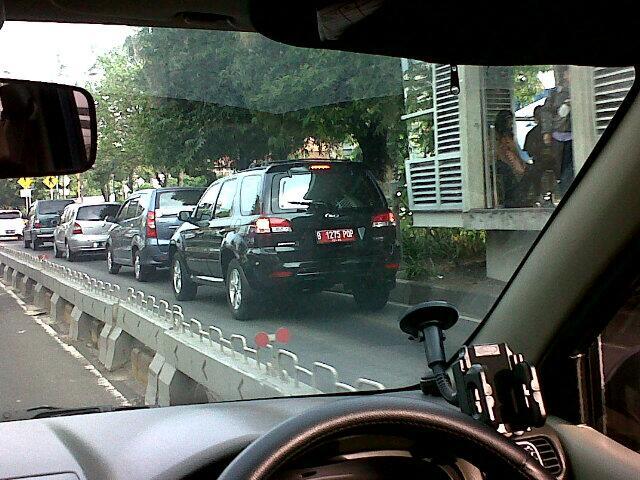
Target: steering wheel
x,y
430,424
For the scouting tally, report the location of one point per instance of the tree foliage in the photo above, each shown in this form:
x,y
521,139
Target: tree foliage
x,y
185,102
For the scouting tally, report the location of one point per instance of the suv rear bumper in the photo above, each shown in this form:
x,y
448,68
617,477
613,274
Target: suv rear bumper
x,y
265,270
154,256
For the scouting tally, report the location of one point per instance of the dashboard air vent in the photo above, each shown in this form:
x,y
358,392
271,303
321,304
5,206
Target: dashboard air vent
x,y
543,450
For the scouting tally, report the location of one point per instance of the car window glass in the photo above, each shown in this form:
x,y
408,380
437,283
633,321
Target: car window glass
x,y
9,215
52,207
174,201
122,215
204,210
96,212
618,347
224,205
340,188
250,195
133,209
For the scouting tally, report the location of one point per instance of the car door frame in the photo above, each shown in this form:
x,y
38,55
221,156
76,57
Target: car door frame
x,y
194,242
132,229
117,232
219,228
62,229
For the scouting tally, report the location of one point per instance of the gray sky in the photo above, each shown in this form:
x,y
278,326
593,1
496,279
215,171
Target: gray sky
x,y
35,51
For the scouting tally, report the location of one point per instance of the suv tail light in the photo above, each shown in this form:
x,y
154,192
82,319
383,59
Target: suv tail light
x,y
386,219
37,224
77,229
151,225
273,225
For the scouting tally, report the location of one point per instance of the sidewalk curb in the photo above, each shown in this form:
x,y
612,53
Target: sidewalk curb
x,y
407,292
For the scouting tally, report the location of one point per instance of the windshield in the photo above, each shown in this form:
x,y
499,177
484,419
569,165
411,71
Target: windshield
x,y
97,212
179,198
293,273
337,188
51,207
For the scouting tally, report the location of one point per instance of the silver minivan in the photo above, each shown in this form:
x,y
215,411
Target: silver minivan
x,y
83,229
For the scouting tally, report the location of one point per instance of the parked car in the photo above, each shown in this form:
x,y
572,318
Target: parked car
x,y
43,217
83,229
11,223
144,226
291,226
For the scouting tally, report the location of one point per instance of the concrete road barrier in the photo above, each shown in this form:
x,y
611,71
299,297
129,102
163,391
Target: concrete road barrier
x,y
180,361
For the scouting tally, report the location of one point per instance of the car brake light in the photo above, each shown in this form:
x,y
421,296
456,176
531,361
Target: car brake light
x,y
386,219
322,166
151,225
77,229
37,225
273,225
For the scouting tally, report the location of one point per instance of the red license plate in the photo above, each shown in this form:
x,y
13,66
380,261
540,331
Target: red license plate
x,y
339,235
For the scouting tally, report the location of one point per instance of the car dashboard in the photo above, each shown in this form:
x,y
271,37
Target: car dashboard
x,y
197,441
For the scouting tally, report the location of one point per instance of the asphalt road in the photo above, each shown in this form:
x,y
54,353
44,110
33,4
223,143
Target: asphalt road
x,y
326,327
38,367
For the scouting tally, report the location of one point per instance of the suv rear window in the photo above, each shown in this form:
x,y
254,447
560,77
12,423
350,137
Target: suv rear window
x,y
9,215
339,188
174,201
97,212
52,206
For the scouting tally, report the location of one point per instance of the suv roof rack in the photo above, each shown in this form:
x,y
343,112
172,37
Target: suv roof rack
x,y
276,163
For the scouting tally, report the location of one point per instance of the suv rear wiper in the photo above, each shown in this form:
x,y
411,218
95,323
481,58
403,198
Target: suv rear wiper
x,y
311,203
47,411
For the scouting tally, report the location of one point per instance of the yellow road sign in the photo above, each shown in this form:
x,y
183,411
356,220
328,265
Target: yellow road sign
x,y
25,182
50,182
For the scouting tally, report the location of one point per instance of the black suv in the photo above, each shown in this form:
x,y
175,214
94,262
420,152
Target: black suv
x,y
296,225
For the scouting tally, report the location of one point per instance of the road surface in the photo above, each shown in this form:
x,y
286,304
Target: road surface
x,y
326,327
37,366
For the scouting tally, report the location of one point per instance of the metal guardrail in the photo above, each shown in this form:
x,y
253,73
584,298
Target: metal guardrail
x,y
279,364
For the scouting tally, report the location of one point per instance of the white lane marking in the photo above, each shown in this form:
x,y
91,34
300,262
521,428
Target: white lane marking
x,y
71,350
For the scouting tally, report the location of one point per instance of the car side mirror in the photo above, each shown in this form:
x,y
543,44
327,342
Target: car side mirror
x,y
46,129
110,219
185,216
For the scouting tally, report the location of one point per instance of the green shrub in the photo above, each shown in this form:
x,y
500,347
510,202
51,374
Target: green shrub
x,y
425,250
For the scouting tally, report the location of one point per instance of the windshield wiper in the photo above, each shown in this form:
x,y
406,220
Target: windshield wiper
x,y
313,203
48,411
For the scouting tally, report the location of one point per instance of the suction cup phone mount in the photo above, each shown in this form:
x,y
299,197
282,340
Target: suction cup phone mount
x,y
492,384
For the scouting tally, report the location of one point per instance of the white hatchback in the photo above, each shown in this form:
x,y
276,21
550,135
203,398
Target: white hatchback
x,y
11,223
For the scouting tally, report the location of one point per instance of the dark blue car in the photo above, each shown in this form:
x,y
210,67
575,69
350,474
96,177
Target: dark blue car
x,y
143,227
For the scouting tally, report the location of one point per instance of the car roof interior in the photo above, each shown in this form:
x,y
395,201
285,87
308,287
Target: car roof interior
x,y
390,27
593,270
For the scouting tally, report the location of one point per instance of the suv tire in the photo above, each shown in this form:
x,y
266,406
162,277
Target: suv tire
x,y
371,299
241,298
35,245
181,284
112,266
27,243
56,252
140,271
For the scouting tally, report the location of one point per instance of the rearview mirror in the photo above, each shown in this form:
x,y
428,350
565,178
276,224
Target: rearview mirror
x,y
184,216
45,129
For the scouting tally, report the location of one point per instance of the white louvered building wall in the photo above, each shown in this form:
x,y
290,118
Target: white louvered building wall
x,y
434,182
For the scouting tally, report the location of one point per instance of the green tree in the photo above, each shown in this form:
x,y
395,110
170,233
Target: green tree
x,y
527,84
